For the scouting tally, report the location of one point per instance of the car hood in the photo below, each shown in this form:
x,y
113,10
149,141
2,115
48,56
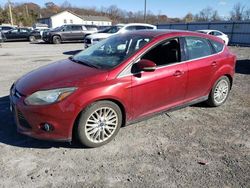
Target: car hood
x,y
100,35
61,74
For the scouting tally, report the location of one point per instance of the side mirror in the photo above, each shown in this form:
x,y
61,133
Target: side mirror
x,y
145,65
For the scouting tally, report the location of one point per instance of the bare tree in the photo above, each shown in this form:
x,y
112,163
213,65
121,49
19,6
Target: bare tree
x,y
247,14
207,14
188,18
237,14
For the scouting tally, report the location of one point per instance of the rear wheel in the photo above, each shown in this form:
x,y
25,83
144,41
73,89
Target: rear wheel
x,y
99,123
56,40
220,92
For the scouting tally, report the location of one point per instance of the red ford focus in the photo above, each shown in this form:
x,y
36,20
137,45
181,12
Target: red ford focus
x,y
119,80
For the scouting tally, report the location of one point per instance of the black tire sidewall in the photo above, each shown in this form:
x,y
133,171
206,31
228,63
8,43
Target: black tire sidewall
x,y
85,115
211,100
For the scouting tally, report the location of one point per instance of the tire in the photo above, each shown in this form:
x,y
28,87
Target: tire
x,y
32,38
99,123
219,92
56,40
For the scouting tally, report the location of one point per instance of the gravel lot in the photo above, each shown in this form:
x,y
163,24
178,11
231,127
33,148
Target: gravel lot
x,y
163,151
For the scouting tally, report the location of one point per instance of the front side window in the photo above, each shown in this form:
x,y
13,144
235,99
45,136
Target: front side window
x,y
67,28
23,30
165,53
110,52
197,47
14,31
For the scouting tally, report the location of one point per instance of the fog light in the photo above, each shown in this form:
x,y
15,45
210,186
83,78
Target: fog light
x,y
47,127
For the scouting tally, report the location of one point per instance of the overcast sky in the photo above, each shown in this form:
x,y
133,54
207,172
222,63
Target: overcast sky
x,y
172,8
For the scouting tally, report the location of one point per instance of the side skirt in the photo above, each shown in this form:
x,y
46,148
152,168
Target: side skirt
x,y
195,101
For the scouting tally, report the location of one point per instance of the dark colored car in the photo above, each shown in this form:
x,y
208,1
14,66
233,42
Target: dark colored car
x,y
5,29
66,33
21,34
122,79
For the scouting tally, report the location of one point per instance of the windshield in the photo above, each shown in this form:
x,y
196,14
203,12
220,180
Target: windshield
x,y
113,29
110,52
57,28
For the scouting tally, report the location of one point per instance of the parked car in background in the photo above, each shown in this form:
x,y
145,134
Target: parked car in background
x,y
216,33
122,79
71,32
119,28
5,29
21,34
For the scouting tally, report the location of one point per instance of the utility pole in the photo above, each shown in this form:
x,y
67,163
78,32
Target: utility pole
x,y
145,10
27,10
11,18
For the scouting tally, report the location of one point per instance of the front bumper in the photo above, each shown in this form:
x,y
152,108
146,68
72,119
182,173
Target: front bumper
x,y
30,119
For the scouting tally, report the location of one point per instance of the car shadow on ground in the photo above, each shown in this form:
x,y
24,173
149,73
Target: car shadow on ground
x,y
243,66
74,52
9,135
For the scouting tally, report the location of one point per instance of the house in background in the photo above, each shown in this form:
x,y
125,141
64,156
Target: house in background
x,y
68,17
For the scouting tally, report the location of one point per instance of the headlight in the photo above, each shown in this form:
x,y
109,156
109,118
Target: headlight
x,y
49,96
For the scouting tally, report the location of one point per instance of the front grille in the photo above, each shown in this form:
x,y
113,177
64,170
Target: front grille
x,y
22,121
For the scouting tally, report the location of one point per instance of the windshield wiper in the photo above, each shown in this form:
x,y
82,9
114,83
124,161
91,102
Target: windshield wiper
x,y
83,62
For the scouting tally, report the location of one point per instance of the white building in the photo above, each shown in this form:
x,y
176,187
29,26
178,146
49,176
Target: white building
x,y
68,17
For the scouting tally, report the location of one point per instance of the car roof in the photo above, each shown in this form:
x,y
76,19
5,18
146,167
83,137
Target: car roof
x,y
171,32
135,24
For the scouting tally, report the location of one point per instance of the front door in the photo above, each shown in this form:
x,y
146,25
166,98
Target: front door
x,y
166,86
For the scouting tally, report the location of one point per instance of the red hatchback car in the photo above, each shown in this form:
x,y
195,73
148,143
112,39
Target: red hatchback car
x,y
119,80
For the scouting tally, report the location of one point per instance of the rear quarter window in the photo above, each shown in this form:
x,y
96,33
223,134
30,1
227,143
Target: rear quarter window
x,y
218,47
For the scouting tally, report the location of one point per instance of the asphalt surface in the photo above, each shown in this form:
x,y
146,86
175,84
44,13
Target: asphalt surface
x,y
196,146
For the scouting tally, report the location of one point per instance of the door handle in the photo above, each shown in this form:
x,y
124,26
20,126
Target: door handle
x,y
214,64
178,73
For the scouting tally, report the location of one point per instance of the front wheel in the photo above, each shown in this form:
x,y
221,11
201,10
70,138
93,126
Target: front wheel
x,y
219,92
99,123
56,40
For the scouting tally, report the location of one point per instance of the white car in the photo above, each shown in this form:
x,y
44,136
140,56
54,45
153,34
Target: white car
x,y
216,33
119,28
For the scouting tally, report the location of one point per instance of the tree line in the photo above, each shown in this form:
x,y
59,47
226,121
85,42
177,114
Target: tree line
x,y
26,14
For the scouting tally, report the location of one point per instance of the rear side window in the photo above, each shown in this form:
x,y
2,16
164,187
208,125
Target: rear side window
x,y
76,28
140,27
197,47
218,47
131,28
148,27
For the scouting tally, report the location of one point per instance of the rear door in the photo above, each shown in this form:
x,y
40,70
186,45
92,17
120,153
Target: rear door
x,y
202,64
77,32
23,34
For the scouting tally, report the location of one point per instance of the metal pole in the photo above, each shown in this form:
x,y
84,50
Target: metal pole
x,y
145,10
11,19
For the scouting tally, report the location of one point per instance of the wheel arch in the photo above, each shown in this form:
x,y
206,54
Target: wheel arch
x,y
117,102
